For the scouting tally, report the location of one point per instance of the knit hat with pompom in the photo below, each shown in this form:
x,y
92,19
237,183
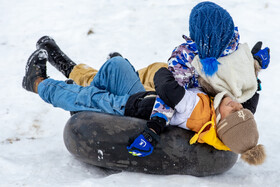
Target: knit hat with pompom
x,y
212,29
239,132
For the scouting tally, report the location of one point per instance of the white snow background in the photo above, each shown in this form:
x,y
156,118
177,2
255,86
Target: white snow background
x,y
32,151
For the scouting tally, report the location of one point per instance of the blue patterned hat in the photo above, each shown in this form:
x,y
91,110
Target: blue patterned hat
x,y
212,28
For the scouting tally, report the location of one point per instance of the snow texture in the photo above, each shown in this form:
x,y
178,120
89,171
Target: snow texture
x,y
32,152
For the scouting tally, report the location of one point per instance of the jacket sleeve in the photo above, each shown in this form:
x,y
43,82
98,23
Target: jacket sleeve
x,y
168,88
252,103
180,64
162,110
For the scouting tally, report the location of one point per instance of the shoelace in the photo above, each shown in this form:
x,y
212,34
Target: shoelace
x,y
44,71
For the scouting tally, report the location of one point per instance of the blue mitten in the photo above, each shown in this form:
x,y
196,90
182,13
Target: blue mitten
x,y
261,55
144,144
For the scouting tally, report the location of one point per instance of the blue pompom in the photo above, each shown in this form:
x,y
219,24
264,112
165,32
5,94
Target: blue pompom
x,y
209,65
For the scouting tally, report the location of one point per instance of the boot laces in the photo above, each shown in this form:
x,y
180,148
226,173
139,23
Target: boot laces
x,y
42,59
44,71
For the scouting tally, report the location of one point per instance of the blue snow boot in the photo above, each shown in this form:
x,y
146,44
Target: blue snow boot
x,y
35,70
56,57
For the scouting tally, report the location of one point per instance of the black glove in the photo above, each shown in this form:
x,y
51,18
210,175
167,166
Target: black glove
x,y
157,124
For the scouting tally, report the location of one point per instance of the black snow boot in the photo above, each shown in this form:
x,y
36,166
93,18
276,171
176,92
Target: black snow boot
x,y
56,57
35,70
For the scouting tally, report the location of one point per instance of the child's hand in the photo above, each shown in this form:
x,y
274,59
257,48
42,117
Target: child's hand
x,y
261,55
144,144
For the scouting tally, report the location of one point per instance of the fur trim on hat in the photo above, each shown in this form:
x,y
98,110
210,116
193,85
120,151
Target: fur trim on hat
x,y
257,67
217,100
207,88
254,156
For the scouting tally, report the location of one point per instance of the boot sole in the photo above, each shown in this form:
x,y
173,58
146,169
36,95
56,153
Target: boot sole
x,y
29,61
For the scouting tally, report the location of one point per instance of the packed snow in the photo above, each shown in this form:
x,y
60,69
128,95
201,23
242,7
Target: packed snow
x,y
32,151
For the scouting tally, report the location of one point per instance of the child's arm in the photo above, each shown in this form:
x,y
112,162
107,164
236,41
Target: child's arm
x,y
168,88
262,56
180,64
252,103
169,93
172,93
170,84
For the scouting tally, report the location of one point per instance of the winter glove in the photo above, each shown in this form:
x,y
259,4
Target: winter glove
x,y
261,55
144,144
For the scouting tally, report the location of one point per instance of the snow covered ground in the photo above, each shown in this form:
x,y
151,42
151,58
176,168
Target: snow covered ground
x,y
32,152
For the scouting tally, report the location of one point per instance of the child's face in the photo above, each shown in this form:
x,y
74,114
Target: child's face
x,y
228,106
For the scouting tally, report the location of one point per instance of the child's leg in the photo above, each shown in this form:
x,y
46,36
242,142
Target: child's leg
x,y
83,74
147,75
56,56
72,97
108,93
118,77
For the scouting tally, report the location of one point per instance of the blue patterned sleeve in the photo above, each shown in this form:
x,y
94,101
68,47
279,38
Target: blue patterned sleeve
x,y
180,64
162,110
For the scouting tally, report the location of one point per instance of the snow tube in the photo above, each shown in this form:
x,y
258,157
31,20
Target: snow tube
x,y
101,139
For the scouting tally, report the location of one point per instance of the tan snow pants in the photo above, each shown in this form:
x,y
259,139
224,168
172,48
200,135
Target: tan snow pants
x,y
83,74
